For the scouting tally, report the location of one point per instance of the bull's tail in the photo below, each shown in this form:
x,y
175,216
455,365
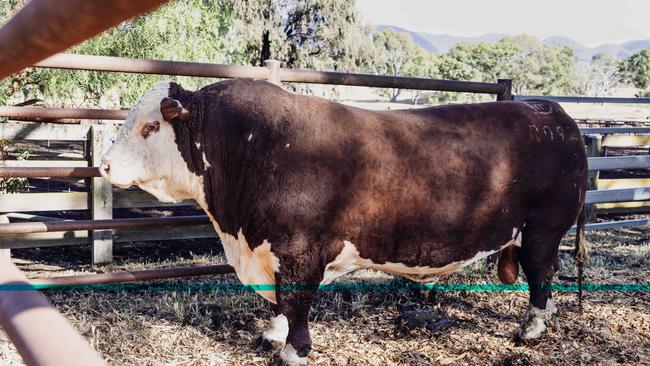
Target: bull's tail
x,y
580,252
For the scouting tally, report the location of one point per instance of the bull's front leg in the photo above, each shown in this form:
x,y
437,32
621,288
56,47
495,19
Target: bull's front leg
x,y
295,305
297,281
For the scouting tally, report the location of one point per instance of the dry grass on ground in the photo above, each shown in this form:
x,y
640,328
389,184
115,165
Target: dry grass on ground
x,y
348,328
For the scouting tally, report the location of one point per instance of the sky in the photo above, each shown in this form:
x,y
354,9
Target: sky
x,y
590,22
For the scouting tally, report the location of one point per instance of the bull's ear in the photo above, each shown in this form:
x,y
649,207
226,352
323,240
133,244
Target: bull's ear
x,y
174,89
172,108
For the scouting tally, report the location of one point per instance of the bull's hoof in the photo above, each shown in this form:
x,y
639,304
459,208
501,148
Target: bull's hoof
x,y
289,357
531,329
534,325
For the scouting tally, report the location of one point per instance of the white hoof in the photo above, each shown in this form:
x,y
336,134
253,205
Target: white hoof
x,y
290,357
534,325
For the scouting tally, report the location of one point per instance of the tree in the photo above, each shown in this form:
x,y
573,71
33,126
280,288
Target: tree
x,y
636,70
397,55
188,30
605,68
319,34
534,67
599,77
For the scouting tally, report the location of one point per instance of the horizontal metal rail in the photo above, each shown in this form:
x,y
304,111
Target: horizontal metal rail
x,y
381,81
141,66
619,162
594,100
614,130
57,172
51,226
617,195
131,65
134,276
46,114
36,131
613,225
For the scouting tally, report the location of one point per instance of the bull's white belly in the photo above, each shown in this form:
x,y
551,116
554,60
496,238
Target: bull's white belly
x,y
349,260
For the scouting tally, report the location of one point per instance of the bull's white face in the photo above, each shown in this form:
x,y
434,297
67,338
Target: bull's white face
x,y
145,153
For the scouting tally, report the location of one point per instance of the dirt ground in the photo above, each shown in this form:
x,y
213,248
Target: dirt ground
x,y
140,325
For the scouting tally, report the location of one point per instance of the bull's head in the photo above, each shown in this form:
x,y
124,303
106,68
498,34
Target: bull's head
x,y
145,153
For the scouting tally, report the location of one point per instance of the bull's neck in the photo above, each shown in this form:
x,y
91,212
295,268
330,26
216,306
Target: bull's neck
x,y
223,171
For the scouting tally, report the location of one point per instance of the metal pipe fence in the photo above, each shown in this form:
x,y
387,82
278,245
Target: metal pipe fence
x,y
592,100
72,225
133,276
140,66
45,114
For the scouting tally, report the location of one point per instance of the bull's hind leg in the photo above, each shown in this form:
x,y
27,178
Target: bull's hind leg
x,y
538,259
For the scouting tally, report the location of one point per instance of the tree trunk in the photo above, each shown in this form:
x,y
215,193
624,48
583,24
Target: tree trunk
x,y
265,54
394,93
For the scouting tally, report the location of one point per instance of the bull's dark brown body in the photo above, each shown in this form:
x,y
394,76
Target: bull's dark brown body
x,y
422,187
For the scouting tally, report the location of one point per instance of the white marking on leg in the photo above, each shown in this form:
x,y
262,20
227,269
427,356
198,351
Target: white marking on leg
x,y
534,325
290,356
277,330
198,145
250,137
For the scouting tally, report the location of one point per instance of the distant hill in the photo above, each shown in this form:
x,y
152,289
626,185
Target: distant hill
x,y
416,37
441,43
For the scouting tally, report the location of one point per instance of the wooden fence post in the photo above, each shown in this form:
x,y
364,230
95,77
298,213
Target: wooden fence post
x,y
594,145
100,197
5,253
507,90
274,68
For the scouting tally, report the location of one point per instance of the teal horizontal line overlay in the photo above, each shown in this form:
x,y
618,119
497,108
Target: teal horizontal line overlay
x,y
359,287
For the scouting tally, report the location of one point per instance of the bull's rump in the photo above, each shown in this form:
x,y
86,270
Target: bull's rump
x,y
439,185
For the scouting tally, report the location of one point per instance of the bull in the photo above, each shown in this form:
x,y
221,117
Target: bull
x,y
302,190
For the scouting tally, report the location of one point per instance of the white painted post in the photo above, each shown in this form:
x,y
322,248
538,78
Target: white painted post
x,y
594,145
100,196
274,68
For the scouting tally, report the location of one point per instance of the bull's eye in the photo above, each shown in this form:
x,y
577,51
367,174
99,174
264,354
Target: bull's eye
x,y
149,128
